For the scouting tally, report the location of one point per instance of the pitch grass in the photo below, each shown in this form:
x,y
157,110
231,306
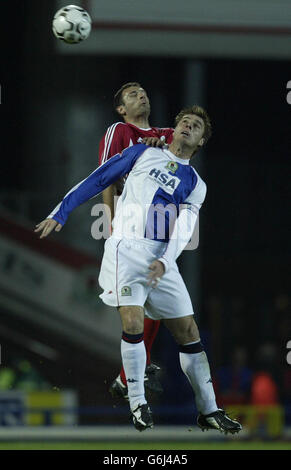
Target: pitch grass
x,y
239,445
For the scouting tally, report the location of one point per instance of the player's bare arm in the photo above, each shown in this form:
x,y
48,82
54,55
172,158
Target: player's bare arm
x,y
108,199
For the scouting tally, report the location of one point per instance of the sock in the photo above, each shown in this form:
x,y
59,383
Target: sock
x,y
133,355
122,376
151,327
195,366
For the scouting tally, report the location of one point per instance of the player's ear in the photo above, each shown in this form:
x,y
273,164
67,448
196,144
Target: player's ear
x,y
121,110
201,142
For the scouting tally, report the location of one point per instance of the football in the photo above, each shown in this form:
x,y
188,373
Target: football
x,y
72,24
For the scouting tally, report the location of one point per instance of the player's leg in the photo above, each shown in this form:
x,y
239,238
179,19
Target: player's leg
x,y
194,361
151,328
133,355
195,366
152,381
135,261
119,386
172,303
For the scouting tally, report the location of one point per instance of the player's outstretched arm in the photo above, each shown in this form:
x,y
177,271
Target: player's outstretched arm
x,y
100,179
47,226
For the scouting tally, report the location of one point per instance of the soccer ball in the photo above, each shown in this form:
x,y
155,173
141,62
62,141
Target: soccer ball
x,y
72,24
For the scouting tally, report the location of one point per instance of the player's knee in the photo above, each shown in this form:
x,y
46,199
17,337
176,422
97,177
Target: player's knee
x,y
187,334
133,327
132,323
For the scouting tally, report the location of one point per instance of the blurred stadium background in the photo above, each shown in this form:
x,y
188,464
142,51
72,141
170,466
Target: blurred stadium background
x,y
59,343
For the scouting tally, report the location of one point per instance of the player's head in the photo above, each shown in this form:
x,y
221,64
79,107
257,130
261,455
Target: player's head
x,y
131,101
193,127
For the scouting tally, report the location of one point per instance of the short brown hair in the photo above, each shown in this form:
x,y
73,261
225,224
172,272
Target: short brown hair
x,y
118,95
198,111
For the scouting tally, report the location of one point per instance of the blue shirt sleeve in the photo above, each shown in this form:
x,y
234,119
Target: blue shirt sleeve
x,y
100,179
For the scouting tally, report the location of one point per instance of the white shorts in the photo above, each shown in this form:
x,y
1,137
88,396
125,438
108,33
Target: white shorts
x,y
123,278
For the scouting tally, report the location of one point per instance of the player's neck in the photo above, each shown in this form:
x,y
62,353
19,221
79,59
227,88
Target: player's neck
x,y
139,121
180,151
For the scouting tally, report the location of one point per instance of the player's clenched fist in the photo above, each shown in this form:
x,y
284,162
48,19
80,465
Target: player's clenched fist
x,y
47,226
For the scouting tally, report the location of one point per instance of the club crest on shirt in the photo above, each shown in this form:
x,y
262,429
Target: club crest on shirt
x,y
126,290
172,167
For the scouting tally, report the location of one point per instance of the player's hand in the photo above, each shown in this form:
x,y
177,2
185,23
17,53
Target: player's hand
x,y
154,141
47,226
157,270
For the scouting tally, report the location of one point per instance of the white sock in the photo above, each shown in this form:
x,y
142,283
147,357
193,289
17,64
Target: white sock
x,y
134,363
196,368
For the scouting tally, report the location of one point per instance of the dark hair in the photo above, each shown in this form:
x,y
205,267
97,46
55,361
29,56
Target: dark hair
x,y
118,95
198,111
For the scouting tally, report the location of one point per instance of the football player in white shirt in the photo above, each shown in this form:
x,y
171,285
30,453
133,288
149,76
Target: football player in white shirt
x,y
132,104
139,264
